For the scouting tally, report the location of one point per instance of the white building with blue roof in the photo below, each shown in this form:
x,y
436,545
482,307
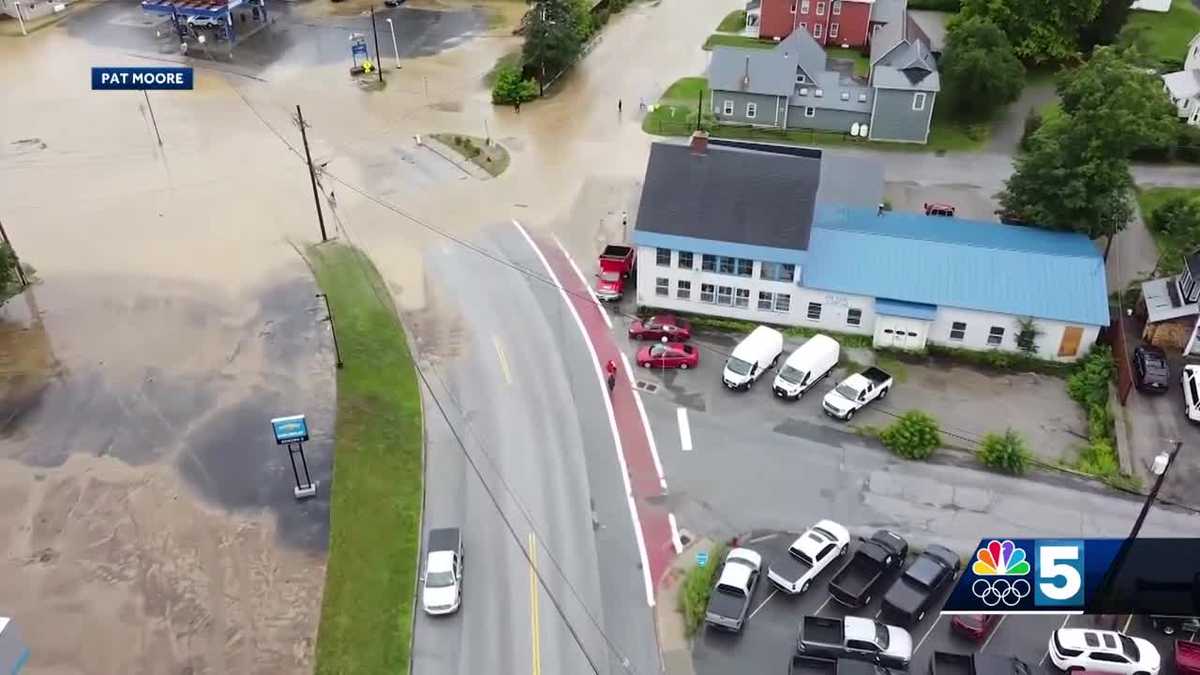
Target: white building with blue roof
x,y
778,236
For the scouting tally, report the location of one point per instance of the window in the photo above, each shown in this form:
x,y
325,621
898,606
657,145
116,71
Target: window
x,y
995,336
818,92
727,107
745,268
845,96
662,286
683,290
862,98
800,77
919,101
726,265
793,8
814,311
810,111
958,330
833,29
751,110
783,302
803,91
766,300
820,9
741,298
837,7
804,6
854,317
777,271
817,32
662,257
724,295
803,25
685,260
707,293
708,263
1111,658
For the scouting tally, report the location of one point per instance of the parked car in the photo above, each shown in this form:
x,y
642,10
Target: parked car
x,y
1187,657
806,366
935,209
974,626
855,392
730,600
204,22
811,553
948,663
1106,651
757,352
662,326
617,263
811,665
1151,373
1170,625
918,589
669,355
442,580
854,583
1190,380
854,638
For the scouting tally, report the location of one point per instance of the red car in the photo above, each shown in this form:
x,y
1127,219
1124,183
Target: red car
x,y
669,355
975,626
658,327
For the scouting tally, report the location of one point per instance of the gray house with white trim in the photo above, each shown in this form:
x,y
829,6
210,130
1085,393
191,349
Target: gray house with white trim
x,y
793,86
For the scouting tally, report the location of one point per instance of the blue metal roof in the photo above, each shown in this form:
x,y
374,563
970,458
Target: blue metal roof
x,y
957,263
911,310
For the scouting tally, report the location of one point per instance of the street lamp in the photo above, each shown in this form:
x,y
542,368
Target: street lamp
x,y
394,47
20,19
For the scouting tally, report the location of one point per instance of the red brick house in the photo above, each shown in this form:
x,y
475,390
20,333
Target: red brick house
x,y
830,22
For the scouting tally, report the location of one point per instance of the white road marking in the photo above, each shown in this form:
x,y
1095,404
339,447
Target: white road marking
x,y
583,280
637,399
676,541
1127,621
823,604
1060,627
926,635
685,430
503,361
612,419
994,631
763,604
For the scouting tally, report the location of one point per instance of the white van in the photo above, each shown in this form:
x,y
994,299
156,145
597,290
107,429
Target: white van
x,y
757,352
1190,379
806,366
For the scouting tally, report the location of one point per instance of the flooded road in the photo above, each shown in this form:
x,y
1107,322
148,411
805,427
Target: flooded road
x,y
147,522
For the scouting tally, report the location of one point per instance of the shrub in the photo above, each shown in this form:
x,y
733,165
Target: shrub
x,y
914,436
510,88
697,585
937,5
1005,452
1088,385
1027,335
1178,216
1033,122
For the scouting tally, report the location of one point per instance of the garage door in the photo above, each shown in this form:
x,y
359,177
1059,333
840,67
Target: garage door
x,y
901,333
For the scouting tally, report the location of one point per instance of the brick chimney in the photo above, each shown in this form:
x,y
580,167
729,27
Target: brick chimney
x,y
699,142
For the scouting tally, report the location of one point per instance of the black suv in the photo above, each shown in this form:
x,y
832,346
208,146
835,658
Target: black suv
x,y
1150,371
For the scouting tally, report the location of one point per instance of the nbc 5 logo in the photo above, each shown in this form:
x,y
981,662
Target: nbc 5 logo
x,y
1059,565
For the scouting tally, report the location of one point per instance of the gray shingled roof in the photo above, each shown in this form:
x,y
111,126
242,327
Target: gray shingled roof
x,y
887,11
729,194
766,71
901,58
832,85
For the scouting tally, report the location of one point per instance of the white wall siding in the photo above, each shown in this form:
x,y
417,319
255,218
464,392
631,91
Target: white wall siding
x,y
979,325
649,272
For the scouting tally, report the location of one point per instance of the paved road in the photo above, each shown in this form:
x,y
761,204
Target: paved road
x,y
509,363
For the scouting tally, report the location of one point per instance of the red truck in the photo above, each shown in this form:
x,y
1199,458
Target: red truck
x,y
617,264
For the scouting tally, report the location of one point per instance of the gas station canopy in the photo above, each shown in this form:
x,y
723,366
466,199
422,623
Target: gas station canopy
x,y
210,8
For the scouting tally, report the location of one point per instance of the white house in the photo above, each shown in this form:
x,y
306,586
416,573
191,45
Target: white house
x,y
1151,5
750,232
1184,86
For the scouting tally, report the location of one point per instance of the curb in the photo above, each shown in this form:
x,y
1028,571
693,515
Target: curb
x,y
674,649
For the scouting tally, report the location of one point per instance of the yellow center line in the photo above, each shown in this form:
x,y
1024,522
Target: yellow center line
x,y
534,619
503,361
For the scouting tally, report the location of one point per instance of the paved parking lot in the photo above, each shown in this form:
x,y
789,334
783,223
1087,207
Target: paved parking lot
x,y
766,643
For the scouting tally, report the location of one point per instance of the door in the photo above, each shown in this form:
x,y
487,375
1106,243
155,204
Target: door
x,y
1070,341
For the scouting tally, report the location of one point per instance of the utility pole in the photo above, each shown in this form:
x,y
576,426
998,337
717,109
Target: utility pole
x,y
312,174
20,19
332,329
378,56
699,108
152,119
16,259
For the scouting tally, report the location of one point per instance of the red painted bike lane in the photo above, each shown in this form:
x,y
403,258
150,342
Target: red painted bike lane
x,y
644,479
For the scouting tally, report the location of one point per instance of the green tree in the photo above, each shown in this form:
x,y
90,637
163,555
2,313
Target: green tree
x,y
979,67
914,436
1040,30
510,88
8,266
1006,452
1027,335
1178,216
555,32
1119,105
1104,28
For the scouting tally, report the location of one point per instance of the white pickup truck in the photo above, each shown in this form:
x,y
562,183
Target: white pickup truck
x,y
855,392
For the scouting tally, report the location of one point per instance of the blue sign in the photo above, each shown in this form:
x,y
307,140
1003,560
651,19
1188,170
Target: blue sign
x,y
293,429
359,49
126,79
701,558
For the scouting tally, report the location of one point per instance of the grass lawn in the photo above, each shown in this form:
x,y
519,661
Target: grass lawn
x,y
375,520
1171,249
670,116
1163,36
491,158
512,58
734,22
719,40
861,63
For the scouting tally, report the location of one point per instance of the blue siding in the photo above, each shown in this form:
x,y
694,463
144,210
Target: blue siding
x,y
910,310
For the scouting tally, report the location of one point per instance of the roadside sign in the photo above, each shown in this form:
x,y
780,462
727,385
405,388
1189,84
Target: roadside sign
x,y
701,558
358,49
291,429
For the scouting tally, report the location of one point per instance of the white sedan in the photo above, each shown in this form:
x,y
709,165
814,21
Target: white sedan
x,y
808,555
1102,651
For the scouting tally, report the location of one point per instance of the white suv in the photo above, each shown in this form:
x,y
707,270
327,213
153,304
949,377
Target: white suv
x,y
1102,651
